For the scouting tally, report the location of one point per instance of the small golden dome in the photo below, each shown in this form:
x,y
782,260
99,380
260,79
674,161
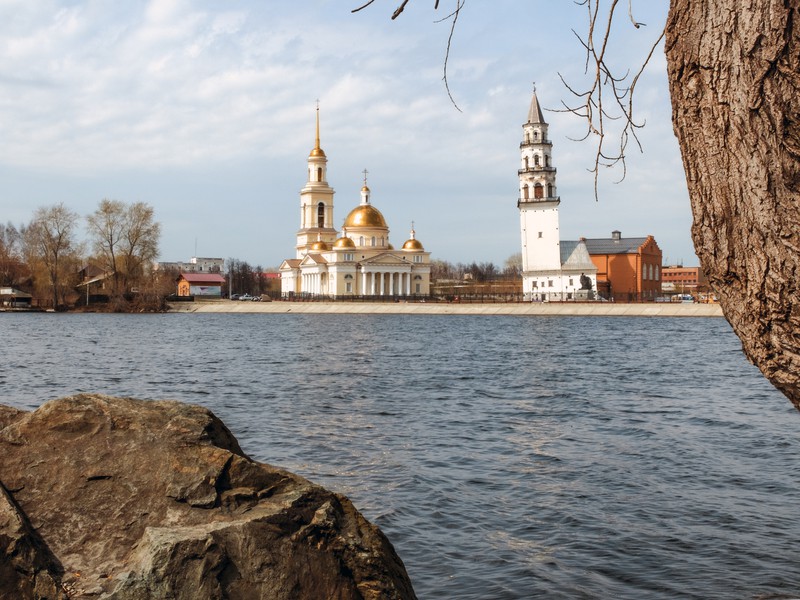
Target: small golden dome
x,y
365,189
344,242
413,244
365,215
390,247
317,152
320,246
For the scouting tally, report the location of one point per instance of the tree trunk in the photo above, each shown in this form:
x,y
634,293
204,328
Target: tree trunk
x,y
734,71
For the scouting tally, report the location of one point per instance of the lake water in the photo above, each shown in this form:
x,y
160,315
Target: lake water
x,y
504,457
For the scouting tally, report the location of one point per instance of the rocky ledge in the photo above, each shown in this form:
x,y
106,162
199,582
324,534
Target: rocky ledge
x,y
122,499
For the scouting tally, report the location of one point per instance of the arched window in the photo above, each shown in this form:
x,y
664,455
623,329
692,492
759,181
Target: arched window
x,y
538,191
361,241
319,173
525,195
373,241
535,160
381,241
549,190
546,160
321,214
536,135
656,272
526,163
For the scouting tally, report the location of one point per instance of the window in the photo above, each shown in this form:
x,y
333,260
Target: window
x,y
535,284
349,287
546,160
417,287
540,235
417,258
526,163
549,190
348,276
417,276
570,281
525,195
348,256
321,214
381,241
538,191
319,173
373,241
361,242
549,283
535,160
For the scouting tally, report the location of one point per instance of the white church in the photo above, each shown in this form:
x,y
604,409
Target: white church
x,y
359,261
552,269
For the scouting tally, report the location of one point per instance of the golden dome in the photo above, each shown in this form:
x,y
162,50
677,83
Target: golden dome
x,y
344,242
390,247
413,244
317,152
320,246
365,215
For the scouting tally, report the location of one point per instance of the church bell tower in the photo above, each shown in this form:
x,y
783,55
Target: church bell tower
x,y
316,203
538,201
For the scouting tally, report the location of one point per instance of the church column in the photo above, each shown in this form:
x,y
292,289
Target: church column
x,y
372,284
363,283
391,284
383,282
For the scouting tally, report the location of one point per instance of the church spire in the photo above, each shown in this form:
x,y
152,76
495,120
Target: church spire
x,y
317,151
535,112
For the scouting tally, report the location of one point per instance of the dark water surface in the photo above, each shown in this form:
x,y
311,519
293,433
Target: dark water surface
x,y
505,457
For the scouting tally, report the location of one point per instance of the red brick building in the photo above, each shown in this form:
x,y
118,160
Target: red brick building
x,y
628,269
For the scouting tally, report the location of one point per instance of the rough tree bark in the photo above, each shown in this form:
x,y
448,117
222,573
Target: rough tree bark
x,y
734,72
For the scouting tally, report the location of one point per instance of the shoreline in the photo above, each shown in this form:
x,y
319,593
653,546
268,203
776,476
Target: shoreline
x,y
605,309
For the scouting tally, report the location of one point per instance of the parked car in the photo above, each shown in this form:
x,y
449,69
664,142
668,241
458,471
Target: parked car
x,y
234,296
245,297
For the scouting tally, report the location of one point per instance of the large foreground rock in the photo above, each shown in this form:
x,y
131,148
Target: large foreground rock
x,y
123,499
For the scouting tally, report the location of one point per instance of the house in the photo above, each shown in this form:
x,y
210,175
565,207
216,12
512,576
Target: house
x,y
628,269
203,285
14,298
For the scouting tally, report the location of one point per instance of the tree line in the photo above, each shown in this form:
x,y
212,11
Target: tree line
x,y
46,255
442,270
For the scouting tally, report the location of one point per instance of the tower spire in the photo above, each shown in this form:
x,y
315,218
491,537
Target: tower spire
x,y
316,140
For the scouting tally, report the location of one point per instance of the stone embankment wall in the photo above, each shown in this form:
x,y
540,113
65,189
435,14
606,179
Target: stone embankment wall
x,y
594,309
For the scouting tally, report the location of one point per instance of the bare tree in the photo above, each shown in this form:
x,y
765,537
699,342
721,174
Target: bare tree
x,y
12,266
126,238
734,72
50,238
139,244
106,227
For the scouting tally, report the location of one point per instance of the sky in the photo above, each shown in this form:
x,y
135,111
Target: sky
x,y
206,111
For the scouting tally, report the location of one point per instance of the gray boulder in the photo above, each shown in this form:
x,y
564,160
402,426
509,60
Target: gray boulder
x,y
124,499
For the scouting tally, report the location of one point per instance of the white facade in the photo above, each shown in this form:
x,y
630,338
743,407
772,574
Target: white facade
x,y
551,270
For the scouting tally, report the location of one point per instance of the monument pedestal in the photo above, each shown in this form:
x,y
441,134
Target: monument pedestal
x,y
584,295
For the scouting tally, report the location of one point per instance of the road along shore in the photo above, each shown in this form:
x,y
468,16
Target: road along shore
x,y
587,309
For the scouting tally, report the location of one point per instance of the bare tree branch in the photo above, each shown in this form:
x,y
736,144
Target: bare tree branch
x,y
453,15
607,98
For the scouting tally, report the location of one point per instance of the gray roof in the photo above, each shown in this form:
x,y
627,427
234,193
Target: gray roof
x,y
612,246
575,256
535,112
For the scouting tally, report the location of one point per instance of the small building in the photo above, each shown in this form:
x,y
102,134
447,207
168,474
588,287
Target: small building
x,y
680,279
14,298
195,265
203,285
628,269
